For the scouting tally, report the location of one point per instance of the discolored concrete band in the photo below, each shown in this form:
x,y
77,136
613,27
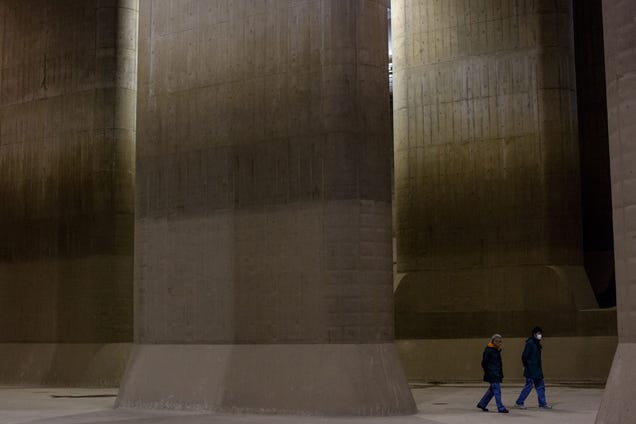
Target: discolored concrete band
x,y
473,302
64,364
566,360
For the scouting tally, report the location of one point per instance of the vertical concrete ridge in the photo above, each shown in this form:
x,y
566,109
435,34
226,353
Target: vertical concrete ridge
x,y
296,379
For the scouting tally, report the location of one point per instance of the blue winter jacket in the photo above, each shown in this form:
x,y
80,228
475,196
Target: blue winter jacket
x,y
492,365
531,359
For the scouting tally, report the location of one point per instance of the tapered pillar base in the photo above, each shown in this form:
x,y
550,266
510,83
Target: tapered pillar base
x,y
476,302
617,405
303,379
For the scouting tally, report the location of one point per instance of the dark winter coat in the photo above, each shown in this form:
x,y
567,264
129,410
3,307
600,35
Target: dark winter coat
x,y
531,358
492,365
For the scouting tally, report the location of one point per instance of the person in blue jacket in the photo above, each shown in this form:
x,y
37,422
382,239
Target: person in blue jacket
x,y
532,370
493,374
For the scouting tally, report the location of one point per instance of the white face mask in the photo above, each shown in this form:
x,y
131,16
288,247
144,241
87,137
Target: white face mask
x,y
538,336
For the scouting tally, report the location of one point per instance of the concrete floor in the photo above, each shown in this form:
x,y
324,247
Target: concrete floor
x,y
447,404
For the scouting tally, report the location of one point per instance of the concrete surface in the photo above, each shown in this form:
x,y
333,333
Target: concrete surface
x,y
596,186
486,158
263,207
318,379
436,404
487,185
565,359
67,126
64,364
619,19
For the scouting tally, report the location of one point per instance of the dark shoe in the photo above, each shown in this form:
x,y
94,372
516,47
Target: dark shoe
x,y
504,411
483,408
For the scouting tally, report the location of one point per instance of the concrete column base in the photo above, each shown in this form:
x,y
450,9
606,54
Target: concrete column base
x,y
468,303
303,379
617,405
566,360
63,364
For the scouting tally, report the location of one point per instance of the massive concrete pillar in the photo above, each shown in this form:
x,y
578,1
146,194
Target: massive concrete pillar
x,y
619,19
487,185
263,200
67,109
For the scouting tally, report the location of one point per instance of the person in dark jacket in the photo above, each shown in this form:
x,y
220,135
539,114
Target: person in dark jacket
x,y
493,374
532,370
